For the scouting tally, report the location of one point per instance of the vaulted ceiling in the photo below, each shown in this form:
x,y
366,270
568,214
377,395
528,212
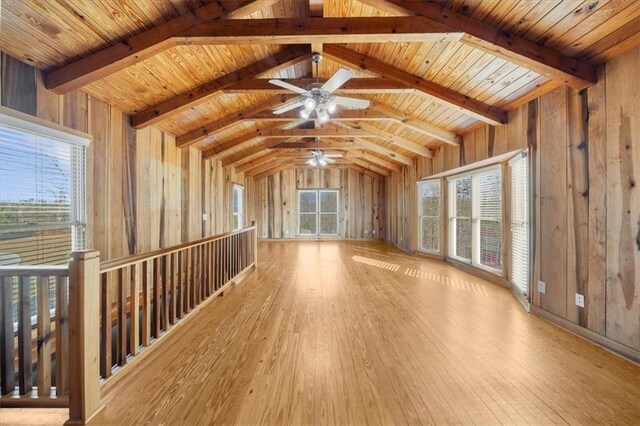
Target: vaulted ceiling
x,y
432,69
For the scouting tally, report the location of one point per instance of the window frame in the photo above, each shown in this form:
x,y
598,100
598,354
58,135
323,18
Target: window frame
x,y
475,218
523,157
421,216
318,212
240,213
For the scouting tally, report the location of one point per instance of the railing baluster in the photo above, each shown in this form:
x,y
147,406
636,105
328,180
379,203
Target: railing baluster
x,y
180,285
8,380
62,336
174,286
105,326
121,296
166,274
24,336
134,309
155,319
146,302
44,337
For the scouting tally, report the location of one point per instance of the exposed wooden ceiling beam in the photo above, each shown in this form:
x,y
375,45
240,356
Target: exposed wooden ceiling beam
x,y
496,42
479,110
266,165
363,155
230,120
280,60
277,168
388,153
341,115
419,126
318,30
323,144
370,166
141,46
401,142
322,132
240,158
301,163
220,149
353,86
257,161
285,166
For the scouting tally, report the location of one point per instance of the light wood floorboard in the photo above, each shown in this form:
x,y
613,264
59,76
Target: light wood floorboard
x,y
360,333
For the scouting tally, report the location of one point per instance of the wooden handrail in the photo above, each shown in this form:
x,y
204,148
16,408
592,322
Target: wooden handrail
x,y
112,265
34,271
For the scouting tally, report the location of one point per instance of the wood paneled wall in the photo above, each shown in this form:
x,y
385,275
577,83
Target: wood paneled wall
x,y
360,204
585,149
143,193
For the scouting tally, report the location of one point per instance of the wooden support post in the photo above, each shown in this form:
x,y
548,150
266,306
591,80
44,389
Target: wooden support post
x,y
255,243
84,331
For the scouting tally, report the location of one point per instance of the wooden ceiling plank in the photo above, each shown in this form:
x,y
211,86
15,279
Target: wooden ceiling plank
x,y
230,120
401,142
476,109
142,46
418,125
257,162
323,144
353,86
318,30
370,166
363,155
186,100
500,43
266,165
244,157
276,169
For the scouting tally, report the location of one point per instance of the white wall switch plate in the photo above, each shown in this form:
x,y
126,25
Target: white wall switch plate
x,y
205,216
542,287
580,300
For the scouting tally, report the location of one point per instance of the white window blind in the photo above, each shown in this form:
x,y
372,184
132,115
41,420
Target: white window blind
x,y
318,212
460,218
475,218
520,224
429,212
238,207
487,218
42,193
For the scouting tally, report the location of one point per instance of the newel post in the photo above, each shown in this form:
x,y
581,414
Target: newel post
x,y
84,332
255,243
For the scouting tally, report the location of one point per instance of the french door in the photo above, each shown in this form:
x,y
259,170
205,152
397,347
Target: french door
x,y
318,212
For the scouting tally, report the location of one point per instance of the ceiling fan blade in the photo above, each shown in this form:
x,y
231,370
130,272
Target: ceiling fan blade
x,y
338,79
288,107
333,155
288,86
352,102
309,161
329,160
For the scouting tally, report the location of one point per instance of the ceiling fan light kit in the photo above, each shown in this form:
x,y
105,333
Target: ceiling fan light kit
x,y
318,98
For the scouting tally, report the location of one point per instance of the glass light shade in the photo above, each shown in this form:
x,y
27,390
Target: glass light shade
x,y
323,162
313,162
309,104
331,106
322,114
305,113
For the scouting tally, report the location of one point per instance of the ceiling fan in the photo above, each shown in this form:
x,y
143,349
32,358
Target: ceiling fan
x,y
319,158
318,97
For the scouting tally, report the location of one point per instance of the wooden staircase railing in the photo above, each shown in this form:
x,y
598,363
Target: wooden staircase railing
x,y
116,310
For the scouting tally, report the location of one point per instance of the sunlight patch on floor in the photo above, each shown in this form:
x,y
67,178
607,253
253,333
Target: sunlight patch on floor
x,y
377,263
455,283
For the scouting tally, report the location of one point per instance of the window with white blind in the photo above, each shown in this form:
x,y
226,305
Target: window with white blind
x,y
42,193
520,223
429,212
238,207
460,218
475,218
318,212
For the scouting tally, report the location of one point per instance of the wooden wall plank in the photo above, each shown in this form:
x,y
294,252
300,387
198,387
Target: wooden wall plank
x,y
553,205
597,238
623,199
18,85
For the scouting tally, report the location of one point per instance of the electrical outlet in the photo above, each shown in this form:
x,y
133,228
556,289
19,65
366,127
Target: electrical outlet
x,y
205,216
580,300
542,287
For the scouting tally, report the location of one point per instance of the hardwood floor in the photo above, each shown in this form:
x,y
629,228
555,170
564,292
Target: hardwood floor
x,y
361,333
